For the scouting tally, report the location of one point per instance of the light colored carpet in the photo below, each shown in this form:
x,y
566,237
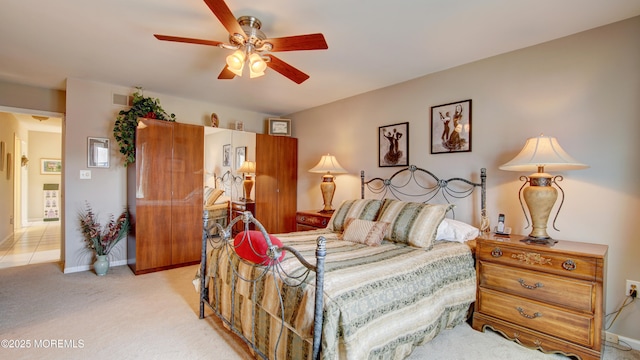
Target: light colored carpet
x,y
50,315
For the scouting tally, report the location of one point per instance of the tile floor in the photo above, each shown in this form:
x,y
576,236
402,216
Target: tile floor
x,y
37,242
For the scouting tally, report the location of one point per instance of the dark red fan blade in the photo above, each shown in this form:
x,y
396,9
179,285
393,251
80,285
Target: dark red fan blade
x,y
187,40
222,12
287,70
226,74
299,42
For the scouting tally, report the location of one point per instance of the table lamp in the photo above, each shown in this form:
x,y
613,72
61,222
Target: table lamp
x,y
328,165
542,153
248,168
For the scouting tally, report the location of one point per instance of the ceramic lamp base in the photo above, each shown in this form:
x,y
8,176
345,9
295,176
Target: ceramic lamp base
x,y
328,188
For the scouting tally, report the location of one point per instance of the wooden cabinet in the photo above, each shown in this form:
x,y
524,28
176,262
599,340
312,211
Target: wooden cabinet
x,y
544,297
237,208
164,195
312,220
276,182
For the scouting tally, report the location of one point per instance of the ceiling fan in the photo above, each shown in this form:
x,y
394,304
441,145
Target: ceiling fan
x,y
249,43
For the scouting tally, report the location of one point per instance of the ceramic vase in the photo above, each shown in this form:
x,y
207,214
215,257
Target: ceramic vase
x,y
101,266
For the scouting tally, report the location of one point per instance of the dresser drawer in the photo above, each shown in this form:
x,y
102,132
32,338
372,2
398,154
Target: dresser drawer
x,y
313,221
539,260
571,293
571,326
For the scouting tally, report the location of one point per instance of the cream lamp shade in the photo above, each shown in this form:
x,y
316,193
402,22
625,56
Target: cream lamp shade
x,y
328,166
538,155
248,168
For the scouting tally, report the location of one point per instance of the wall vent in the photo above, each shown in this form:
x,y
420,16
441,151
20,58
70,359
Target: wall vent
x,y
122,100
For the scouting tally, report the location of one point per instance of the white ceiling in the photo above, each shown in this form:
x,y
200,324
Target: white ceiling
x,y
372,43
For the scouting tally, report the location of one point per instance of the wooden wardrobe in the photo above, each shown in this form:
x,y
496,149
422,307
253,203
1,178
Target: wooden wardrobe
x,y
164,195
276,182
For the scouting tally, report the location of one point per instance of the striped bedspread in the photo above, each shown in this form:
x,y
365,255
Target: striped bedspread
x,y
379,302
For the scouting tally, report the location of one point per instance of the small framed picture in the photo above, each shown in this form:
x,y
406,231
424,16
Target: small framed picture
x,y
50,166
241,153
451,127
239,125
226,155
281,127
393,145
97,152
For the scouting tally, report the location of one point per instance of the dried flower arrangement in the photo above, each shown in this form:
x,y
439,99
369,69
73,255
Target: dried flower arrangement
x,y
102,240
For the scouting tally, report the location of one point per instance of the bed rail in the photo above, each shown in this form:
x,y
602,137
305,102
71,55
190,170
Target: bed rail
x,y
222,238
417,184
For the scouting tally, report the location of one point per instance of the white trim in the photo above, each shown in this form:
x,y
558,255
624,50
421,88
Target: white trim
x,y
81,268
634,343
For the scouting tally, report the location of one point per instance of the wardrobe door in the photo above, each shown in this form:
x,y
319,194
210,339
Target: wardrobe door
x,y
151,218
187,188
287,183
266,184
276,182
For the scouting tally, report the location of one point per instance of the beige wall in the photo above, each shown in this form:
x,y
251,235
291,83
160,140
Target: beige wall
x,y
41,145
583,89
10,126
89,112
30,97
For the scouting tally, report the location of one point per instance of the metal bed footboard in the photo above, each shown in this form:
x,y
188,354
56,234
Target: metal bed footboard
x,y
222,237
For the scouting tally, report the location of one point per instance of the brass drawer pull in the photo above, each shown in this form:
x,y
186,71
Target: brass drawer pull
x,y
530,287
303,218
496,252
569,265
324,221
535,315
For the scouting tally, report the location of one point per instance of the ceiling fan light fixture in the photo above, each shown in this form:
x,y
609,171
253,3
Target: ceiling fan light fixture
x,y
235,62
256,63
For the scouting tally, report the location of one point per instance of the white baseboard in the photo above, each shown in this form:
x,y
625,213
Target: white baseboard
x,y
634,343
69,270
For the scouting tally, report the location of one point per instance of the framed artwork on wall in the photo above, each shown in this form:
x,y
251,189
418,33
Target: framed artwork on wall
x,y
393,145
50,166
241,153
280,127
451,127
226,155
97,152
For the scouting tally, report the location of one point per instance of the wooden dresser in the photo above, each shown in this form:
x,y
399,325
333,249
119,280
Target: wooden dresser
x,y
544,297
312,220
237,208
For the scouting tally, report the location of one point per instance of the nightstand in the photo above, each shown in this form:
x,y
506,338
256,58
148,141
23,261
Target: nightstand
x,y
312,220
544,297
237,208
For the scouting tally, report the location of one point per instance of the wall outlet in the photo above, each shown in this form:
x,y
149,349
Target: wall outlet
x,y
632,285
611,338
85,174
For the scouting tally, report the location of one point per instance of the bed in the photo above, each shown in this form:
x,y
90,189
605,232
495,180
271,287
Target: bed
x,y
335,293
216,199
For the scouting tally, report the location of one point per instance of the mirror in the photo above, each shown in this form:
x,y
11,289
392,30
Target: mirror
x,y
225,151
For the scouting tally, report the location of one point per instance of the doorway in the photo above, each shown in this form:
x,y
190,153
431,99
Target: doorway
x,y
35,237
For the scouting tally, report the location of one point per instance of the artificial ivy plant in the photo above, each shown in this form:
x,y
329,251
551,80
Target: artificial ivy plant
x,y
127,121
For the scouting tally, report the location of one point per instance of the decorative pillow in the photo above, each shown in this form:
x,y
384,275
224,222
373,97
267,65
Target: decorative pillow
x,y
454,230
412,223
213,196
364,231
253,247
364,209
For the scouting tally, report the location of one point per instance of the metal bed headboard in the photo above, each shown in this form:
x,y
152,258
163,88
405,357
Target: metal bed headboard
x,y
420,185
230,183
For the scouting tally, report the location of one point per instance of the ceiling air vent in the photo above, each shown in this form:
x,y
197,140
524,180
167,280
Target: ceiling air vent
x,y
122,100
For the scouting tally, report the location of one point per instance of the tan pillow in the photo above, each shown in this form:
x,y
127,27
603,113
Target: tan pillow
x,y
213,196
364,231
365,209
412,223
